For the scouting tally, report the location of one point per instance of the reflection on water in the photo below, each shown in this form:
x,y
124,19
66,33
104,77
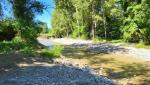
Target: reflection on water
x,y
50,47
46,42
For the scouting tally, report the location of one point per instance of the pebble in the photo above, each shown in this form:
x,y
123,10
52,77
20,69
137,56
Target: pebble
x,y
56,74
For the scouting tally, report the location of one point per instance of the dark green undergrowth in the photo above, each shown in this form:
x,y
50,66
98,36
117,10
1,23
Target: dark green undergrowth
x,y
16,45
28,49
123,43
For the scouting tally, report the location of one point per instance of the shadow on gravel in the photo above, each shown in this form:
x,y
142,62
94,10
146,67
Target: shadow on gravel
x,y
52,75
106,48
11,60
82,51
146,81
117,67
131,70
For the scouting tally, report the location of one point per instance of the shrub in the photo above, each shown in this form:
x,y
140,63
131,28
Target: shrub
x,y
17,44
27,51
98,40
142,45
52,53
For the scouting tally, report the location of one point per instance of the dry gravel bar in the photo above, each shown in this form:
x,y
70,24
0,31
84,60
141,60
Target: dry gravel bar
x,y
53,74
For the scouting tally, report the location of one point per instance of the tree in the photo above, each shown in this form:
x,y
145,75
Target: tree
x,y
24,12
136,23
109,19
7,30
27,9
1,12
63,18
42,26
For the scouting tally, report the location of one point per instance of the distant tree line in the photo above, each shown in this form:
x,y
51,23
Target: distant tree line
x,y
107,19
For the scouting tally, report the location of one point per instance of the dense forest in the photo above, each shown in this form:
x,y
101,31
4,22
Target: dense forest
x,y
103,19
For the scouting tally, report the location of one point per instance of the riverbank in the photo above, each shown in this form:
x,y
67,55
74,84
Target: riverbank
x,y
123,64
41,72
83,61
139,53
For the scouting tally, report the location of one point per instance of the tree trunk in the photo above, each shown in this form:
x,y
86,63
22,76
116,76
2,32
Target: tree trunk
x,y
93,30
77,20
105,28
104,18
67,32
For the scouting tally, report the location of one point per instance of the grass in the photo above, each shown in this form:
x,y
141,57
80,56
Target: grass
x,y
136,45
17,44
55,52
140,45
116,41
99,40
124,69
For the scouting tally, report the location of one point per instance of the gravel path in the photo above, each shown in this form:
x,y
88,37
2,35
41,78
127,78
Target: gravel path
x,y
53,74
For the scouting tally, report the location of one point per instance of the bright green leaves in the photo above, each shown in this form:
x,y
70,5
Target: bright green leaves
x,y
130,31
137,22
85,18
109,19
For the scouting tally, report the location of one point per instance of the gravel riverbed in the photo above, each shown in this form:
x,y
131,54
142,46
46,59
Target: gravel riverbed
x,y
138,53
64,72
53,74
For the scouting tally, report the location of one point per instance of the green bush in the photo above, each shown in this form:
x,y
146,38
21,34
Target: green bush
x,y
17,44
27,51
142,45
52,53
5,47
98,40
56,50
79,32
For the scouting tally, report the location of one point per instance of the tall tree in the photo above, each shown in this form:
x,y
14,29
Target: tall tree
x,y
24,12
109,19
